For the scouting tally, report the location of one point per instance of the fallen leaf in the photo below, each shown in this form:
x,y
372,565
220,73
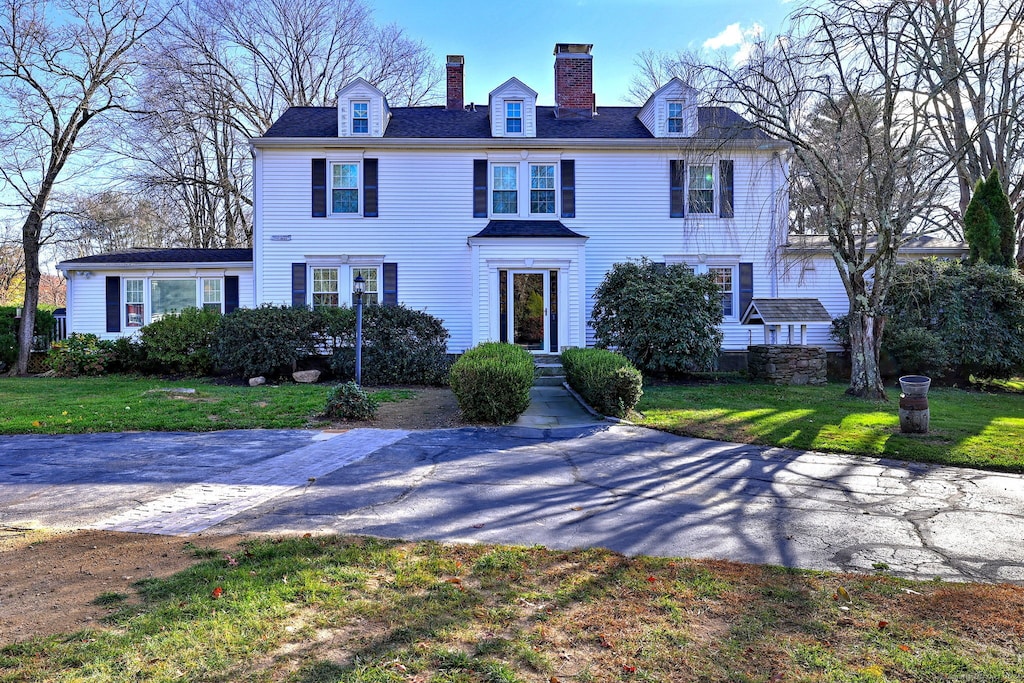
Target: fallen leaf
x,y
577,508
905,648
478,526
307,535
882,623
554,680
217,592
843,594
651,579
845,621
628,668
604,641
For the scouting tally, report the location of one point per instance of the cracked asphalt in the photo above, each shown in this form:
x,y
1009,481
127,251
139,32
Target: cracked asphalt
x,y
633,490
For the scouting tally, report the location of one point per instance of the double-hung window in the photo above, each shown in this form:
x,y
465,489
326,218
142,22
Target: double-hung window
x,y
134,303
505,189
702,188
371,284
513,117
542,189
675,117
360,117
345,188
325,287
724,279
213,295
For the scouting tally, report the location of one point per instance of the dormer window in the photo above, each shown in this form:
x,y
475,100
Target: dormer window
x,y
675,117
360,117
514,117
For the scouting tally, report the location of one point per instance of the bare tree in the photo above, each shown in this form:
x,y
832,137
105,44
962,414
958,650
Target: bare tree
x,y
113,220
654,69
12,268
971,53
841,88
63,65
224,70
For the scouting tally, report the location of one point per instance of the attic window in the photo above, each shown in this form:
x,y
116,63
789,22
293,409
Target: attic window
x,y
675,117
514,117
360,117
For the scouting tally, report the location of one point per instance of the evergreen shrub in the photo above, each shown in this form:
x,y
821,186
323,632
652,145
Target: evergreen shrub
x,y
79,354
267,340
605,380
348,401
492,382
182,342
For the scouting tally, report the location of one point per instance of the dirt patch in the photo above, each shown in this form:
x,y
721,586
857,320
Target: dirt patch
x,y
50,579
430,408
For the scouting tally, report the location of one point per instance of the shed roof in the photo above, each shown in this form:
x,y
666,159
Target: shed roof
x,y
146,255
785,312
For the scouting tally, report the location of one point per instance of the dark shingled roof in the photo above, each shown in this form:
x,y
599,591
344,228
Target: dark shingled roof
x,y
143,255
785,311
526,229
437,122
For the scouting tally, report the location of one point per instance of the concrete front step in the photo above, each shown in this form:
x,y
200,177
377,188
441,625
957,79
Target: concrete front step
x,y
548,380
545,369
547,358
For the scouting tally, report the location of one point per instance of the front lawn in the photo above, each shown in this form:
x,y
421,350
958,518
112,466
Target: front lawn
x,y
374,611
968,428
114,403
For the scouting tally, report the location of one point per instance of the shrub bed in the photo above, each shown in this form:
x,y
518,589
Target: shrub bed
x,y
267,340
492,382
182,342
79,354
605,380
400,346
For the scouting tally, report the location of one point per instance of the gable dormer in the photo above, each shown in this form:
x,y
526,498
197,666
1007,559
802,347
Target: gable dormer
x,y
362,111
513,110
671,111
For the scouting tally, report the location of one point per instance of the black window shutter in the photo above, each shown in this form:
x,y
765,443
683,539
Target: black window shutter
x,y
319,188
677,175
230,293
298,284
725,193
480,188
553,322
568,188
390,284
113,304
746,286
370,188
503,306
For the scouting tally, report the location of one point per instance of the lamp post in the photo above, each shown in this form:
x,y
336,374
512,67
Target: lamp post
x,y
358,288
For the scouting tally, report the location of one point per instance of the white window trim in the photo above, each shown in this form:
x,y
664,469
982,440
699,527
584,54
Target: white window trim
x,y
681,118
556,177
345,265
147,295
700,265
522,117
352,117
523,189
715,190
358,213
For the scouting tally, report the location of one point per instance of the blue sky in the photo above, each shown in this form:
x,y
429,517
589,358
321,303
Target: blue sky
x,y
501,39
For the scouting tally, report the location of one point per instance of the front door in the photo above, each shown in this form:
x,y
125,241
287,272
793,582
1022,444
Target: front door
x,y
529,320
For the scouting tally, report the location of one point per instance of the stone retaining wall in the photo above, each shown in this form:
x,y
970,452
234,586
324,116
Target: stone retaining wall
x,y
787,364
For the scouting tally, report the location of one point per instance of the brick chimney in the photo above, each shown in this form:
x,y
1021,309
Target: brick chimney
x,y
454,68
574,80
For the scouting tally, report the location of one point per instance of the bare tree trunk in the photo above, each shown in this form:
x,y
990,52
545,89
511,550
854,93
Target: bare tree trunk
x,y
26,329
865,373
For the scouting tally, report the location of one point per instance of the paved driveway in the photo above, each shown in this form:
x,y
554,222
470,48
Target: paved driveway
x,y
626,488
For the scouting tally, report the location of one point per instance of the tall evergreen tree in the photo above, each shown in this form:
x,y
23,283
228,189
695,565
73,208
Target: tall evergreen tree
x,y
989,223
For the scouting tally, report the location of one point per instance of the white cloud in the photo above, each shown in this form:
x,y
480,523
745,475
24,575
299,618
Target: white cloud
x,y
735,36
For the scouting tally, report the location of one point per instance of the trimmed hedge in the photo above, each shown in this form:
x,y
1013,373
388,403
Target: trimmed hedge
x,y
267,340
605,380
492,382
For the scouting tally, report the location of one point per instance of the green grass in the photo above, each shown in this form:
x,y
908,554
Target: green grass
x,y
367,610
44,405
967,428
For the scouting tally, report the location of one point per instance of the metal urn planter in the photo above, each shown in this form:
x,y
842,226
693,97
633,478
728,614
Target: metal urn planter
x,y
914,411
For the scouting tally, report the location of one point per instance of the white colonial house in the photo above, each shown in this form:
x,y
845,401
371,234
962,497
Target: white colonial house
x,y
500,219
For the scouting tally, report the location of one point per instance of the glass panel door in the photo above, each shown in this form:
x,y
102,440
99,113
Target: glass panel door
x,y
529,310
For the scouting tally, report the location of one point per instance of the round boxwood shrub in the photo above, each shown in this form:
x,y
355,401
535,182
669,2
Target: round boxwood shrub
x,y
492,382
267,340
181,342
